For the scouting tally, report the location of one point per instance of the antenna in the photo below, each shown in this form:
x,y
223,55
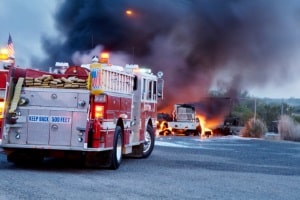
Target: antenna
x,y
92,40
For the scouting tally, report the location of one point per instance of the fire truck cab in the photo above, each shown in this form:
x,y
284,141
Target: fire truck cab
x,y
101,114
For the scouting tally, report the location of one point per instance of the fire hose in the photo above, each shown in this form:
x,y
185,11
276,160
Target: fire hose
x,y
16,97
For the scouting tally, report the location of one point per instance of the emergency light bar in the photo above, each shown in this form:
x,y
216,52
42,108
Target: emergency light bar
x,y
61,64
145,70
136,68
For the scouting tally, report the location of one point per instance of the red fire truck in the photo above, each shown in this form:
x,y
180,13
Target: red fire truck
x,y
100,114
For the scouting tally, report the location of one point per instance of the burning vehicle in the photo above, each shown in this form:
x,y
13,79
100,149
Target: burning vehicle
x,y
190,119
227,128
162,123
183,120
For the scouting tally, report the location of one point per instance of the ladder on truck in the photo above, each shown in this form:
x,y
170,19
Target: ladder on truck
x,y
115,79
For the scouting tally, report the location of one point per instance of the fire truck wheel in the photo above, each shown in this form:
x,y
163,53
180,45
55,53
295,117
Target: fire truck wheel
x,y
116,153
149,142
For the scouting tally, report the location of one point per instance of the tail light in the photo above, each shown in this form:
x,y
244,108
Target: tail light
x,y
99,111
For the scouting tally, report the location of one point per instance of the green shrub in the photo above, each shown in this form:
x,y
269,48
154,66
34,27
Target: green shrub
x,y
254,129
288,128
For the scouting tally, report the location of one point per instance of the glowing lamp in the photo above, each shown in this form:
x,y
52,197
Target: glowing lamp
x,y
1,109
104,57
99,111
129,12
3,54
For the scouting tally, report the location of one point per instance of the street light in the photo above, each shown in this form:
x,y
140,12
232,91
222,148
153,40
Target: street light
x,y
133,15
129,12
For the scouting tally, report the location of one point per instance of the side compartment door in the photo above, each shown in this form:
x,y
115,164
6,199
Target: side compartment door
x,y
38,126
79,121
60,127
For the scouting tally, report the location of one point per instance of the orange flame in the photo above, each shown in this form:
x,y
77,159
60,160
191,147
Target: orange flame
x,y
205,131
208,125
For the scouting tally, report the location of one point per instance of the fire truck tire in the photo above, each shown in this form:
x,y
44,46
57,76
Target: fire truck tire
x,y
149,142
116,153
107,159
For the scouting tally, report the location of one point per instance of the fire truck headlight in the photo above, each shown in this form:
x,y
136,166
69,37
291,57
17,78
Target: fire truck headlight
x,y
100,98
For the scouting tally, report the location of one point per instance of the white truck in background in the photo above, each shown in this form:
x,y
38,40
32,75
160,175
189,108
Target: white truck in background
x,y
183,120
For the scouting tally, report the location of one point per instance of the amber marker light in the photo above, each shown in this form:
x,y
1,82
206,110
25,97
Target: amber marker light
x,y
3,54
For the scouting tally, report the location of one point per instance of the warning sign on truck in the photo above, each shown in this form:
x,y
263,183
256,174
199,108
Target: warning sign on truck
x,y
47,119
38,118
60,119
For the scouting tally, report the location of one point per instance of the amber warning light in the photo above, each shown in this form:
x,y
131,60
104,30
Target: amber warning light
x,y
99,111
104,57
3,54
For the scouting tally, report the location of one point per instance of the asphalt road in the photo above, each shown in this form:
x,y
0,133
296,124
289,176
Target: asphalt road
x,y
179,168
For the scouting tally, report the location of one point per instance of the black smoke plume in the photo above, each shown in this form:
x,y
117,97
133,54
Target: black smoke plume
x,y
194,42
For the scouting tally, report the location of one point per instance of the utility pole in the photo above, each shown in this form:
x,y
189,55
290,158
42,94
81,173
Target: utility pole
x,y
281,107
133,55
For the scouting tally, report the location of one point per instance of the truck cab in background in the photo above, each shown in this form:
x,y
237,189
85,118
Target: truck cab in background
x,y
183,120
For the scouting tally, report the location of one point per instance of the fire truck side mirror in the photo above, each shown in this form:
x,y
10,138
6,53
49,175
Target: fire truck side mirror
x,y
160,88
160,74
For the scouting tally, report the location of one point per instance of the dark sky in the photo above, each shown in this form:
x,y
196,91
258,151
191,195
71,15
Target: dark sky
x,y
198,44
